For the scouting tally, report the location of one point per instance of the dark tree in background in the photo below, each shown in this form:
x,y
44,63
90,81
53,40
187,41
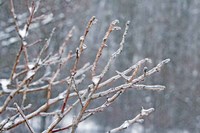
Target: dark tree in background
x,y
159,29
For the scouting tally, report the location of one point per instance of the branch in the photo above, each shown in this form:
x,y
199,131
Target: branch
x,y
82,45
103,44
24,117
127,123
131,84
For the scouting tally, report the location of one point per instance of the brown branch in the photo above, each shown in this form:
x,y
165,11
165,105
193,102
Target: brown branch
x,y
74,94
60,117
10,97
81,46
21,35
92,111
103,44
134,73
66,97
24,117
114,55
25,56
16,62
88,101
35,113
77,92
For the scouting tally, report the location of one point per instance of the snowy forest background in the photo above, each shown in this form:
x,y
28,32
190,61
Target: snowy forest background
x,y
159,29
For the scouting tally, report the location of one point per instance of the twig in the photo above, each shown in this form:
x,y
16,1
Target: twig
x,y
12,94
108,102
81,46
103,44
46,45
134,73
22,34
16,62
114,78
67,38
66,97
24,117
77,92
127,123
15,18
88,100
129,85
150,87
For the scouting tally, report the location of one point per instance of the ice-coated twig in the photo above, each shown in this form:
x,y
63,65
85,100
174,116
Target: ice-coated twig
x,y
103,44
108,102
115,54
132,83
114,78
81,46
127,123
150,87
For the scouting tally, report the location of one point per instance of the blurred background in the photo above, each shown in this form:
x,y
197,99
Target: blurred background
x,y
159,29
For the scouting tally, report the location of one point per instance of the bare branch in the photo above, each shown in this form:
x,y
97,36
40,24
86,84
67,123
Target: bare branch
x,y
127,123
103,44
84,85
24,117
81,46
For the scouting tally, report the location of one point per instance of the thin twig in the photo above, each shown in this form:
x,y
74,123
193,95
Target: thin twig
x,y
81,46
24,117
127,123
103,44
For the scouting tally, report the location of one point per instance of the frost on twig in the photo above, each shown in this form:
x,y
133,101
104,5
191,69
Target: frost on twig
x,y
127,123
150,87
103,44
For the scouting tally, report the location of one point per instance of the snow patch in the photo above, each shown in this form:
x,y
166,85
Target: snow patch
x,y
87,126
4,84
125,124
23,32
137,128
95,80
31,65
48,19
30,74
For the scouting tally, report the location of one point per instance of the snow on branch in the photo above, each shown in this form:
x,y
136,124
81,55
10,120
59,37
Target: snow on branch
x,y
127,123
